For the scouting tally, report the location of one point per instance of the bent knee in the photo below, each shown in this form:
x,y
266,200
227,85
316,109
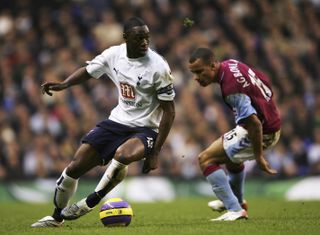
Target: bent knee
x,y
125,156
202,157
73,171
205,159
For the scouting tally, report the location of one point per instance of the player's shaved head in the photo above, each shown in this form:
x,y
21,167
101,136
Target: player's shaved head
x,y
205,54
131,23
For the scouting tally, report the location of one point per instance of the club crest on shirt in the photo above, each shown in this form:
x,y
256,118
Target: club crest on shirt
x,y
139,79
127,91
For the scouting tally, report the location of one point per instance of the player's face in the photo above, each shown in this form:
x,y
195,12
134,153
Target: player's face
x,y
137,40
202,72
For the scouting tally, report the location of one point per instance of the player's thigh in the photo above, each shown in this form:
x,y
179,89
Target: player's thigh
x,y
131,150
215,153
84,160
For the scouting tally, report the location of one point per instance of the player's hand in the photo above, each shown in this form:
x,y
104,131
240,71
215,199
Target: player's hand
x,y
47,87
150,163
264,166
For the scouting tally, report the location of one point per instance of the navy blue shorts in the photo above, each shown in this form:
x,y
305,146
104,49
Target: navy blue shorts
x,y
108,135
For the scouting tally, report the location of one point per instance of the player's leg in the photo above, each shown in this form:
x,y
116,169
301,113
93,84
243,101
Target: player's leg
x,y
130,151
134,149
236,180
210,160
111,140
85,159
236,149
239,148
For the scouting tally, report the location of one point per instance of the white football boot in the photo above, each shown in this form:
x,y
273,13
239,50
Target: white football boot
x,y
218,205
232,216
47,221
76,210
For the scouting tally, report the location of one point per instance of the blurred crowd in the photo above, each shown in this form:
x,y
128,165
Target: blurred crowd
x,y
48,40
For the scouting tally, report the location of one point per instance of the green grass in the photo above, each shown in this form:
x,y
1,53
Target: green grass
x,y
183,216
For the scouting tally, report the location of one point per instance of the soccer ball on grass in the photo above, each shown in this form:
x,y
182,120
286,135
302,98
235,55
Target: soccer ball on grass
x,y
116,212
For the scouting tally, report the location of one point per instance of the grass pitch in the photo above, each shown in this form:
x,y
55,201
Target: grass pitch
x,y
183,216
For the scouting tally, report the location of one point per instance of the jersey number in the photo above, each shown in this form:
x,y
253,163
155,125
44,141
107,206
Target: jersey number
x,y
265,91
230,134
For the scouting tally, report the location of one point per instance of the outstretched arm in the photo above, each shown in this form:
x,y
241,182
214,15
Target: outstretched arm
x,y
151,161
79,76
254,128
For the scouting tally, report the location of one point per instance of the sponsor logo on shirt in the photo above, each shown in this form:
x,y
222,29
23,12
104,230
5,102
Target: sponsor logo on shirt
x,y
128,95
127,91
132,103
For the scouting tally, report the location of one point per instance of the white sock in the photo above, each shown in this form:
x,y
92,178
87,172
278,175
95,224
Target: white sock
x,y
114,174
65,189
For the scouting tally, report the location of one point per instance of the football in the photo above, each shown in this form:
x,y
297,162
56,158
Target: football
x,y
115,212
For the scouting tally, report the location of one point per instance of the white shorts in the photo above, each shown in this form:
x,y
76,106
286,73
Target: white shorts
x,y
238,146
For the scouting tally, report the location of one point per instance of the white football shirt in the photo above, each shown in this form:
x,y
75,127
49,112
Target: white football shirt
x,y
141,82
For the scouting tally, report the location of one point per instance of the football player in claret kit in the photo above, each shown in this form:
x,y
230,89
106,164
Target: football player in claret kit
x,y
248,94
136,128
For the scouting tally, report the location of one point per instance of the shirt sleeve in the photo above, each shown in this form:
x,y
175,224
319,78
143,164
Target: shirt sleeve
x,y
241,106
100,64
164,84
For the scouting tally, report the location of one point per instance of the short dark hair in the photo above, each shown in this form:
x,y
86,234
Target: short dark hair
x,y
132,22
202,53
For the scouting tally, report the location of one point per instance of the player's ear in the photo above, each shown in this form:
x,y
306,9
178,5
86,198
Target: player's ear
x,y
214,65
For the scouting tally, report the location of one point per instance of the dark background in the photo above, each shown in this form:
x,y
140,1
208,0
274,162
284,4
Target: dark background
x,y
48,40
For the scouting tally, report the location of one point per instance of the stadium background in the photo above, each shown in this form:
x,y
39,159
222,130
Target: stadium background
x,y
48,40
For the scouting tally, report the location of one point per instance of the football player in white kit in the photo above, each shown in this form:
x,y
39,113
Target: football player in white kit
x,y
136,128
